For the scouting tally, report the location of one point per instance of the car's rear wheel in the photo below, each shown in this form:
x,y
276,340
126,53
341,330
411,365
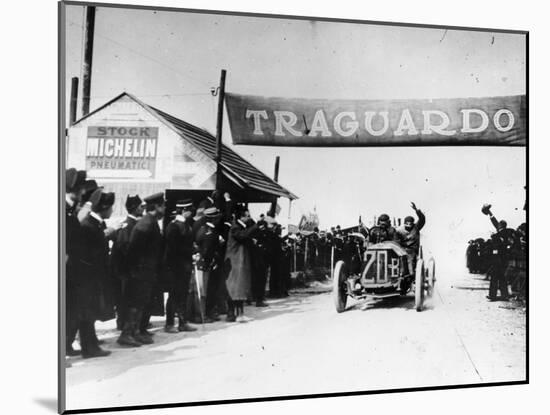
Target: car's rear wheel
x,y
430,275
339,291
419,286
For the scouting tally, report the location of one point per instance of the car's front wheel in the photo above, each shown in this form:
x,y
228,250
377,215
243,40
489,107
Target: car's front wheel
x,y
430,275
339,290
419,286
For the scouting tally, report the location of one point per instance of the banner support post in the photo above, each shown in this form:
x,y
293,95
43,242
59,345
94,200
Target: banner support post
x,y
219,126
273,209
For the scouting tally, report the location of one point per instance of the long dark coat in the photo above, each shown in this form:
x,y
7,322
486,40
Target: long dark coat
x,y
72,243
72,251
178,255
238,257
145,254
119,253
95,299
208,246
145,249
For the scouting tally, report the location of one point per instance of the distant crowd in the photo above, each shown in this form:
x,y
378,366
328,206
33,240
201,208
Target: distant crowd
x,y
502,257
322,249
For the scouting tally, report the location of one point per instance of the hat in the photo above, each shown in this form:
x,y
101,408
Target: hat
x,y
184,204
95,195
80,178
101,200
157,198
383,218
409,219
211,212
132,202
70,179
486,209
89,187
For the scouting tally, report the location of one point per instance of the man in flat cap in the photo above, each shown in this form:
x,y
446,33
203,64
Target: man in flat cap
x,y
94,271
145,251
126,317
221,201
179,263
383,231
408,236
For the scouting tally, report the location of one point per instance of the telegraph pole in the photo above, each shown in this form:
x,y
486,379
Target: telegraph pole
x,y
88,54
219,125
273,209
74,98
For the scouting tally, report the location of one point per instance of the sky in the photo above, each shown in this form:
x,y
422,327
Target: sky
x,y
171,60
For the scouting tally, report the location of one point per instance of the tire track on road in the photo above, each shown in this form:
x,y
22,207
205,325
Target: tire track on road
x,y
463,345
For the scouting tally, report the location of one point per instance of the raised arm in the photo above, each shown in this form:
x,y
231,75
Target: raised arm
x,y
421,219
486,210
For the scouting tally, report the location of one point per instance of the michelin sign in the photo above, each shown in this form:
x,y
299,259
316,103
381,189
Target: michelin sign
x,y
121,151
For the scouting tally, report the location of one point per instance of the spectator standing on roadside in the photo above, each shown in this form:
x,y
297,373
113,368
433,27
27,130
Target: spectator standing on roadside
x,y
502,243
145,251
121,270
238,258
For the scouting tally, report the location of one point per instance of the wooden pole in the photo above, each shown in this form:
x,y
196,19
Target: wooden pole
x,y
88,55
289,209
219,126
273,209
276,172
74,98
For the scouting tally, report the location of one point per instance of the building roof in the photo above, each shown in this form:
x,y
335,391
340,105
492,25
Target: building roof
x,y
234,166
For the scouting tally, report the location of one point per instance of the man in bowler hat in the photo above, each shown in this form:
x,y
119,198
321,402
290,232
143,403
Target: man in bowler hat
x,y
145,251
121,270
73,248
94,270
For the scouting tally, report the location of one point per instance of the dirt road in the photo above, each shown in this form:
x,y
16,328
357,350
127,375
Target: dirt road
x,y
300,345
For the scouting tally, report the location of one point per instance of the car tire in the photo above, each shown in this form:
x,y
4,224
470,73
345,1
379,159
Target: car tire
x,y
339,292
430,275
419,285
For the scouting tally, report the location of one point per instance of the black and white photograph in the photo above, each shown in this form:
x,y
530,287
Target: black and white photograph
x,y
261,207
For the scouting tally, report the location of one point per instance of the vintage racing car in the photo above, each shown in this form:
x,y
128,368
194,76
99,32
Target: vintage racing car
x,y
383,273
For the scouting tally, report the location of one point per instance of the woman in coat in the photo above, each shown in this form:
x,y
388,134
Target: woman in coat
x,y
239,262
